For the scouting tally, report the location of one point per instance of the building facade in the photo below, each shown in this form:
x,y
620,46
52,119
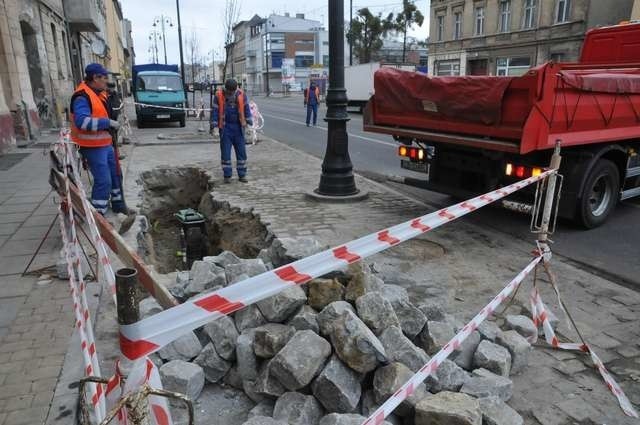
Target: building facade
x,y
261,45
507,37
44,47
35,69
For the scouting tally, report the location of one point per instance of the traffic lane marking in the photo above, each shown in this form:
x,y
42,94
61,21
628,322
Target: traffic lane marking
x,y
325,129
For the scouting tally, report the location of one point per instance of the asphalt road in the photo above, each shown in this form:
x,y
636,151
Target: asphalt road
x,y
611,250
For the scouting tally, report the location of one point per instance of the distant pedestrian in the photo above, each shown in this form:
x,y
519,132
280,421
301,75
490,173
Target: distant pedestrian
x,y
311,99
90,125
230,115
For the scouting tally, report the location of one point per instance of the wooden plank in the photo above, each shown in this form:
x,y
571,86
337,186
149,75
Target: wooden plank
x,y
118,246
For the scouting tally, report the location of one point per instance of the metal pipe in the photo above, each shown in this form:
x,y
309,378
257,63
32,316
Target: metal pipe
x,y
543,235
126,296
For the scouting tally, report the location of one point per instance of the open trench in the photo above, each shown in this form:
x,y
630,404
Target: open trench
x,y
168,190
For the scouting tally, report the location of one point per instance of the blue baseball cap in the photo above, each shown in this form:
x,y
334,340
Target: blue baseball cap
x,y
95,69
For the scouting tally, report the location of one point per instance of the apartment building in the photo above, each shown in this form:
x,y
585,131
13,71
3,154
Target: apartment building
x,y
507,37
262,44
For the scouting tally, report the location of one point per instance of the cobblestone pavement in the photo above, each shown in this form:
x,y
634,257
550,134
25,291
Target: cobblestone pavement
x,y
461,265
36,320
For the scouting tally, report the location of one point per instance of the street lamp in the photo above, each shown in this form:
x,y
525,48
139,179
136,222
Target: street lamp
x,y
154,36
162,20
336,180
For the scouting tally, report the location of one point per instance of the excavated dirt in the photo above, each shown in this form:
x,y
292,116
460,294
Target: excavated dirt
x,y
168,190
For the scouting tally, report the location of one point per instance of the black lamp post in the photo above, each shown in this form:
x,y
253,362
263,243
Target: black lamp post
x,y
181,55
337,171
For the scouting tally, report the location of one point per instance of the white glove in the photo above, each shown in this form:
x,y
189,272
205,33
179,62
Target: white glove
x,y
114,124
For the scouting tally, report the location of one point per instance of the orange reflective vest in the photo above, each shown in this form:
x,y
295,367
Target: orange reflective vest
x,y
91,138
221,101
307,94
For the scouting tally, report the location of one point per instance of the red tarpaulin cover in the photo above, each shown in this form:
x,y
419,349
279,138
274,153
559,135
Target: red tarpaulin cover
x,y
465,98
623,82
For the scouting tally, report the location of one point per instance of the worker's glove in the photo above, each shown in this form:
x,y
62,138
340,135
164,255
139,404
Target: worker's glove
x,y
114,124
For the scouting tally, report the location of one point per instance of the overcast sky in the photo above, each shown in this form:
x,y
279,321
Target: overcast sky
x,y
205,18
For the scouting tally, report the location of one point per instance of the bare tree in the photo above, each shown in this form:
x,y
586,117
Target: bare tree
x,y
229,19
193,53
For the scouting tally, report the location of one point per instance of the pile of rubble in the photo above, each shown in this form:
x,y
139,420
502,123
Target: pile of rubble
x,y
330,352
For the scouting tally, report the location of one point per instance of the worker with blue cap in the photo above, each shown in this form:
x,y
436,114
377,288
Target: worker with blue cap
x,y
90,124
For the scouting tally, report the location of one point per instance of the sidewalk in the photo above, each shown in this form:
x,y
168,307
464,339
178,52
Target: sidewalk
x,y
459,265
36,320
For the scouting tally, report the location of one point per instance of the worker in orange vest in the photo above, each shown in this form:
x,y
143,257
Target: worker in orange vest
x,y
90,124
230,115
311,100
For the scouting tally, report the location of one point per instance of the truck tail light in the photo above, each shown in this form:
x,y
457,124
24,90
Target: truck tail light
x,y
411,152
521,171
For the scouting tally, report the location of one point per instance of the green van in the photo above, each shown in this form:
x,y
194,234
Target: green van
x,y
155,88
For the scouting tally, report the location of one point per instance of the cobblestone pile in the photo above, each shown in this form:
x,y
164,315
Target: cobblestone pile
x,y
332,351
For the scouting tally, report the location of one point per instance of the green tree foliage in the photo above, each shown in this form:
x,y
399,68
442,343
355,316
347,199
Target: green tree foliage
x,y
405,20
366,32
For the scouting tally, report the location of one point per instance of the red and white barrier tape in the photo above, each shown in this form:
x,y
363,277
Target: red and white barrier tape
x,y
104,262
78,294
143,371
153,333
409,387
540,315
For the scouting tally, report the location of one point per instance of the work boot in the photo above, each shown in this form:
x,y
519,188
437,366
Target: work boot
x,y
243,179
227,180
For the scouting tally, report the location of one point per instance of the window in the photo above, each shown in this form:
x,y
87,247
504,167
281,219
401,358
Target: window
x,y
457,25
159,83
56,49
563,11
276,59
304,61
508,67
479,28
448,68
325,60
440,27
530,7
505,15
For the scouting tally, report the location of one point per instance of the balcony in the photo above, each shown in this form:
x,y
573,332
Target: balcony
x,y
82,15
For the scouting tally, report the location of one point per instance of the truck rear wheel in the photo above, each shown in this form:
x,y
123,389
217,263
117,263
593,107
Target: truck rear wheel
x,y
599,195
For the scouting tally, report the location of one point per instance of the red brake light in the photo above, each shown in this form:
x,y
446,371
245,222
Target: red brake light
x,y
520,171
413,153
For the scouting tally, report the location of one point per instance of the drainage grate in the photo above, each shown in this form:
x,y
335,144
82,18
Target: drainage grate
x,y
9,160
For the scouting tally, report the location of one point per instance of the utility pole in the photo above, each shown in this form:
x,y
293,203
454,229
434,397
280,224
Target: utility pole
x,y
162,20
350,24
181,55
337,180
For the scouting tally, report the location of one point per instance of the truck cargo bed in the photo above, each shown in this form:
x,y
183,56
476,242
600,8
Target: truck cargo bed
x,y
579,104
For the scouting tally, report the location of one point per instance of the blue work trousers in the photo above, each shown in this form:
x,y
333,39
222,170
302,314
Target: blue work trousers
x,y
107,183
312,108
233,135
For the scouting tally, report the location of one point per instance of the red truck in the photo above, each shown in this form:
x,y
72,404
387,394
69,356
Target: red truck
x,y
474,134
